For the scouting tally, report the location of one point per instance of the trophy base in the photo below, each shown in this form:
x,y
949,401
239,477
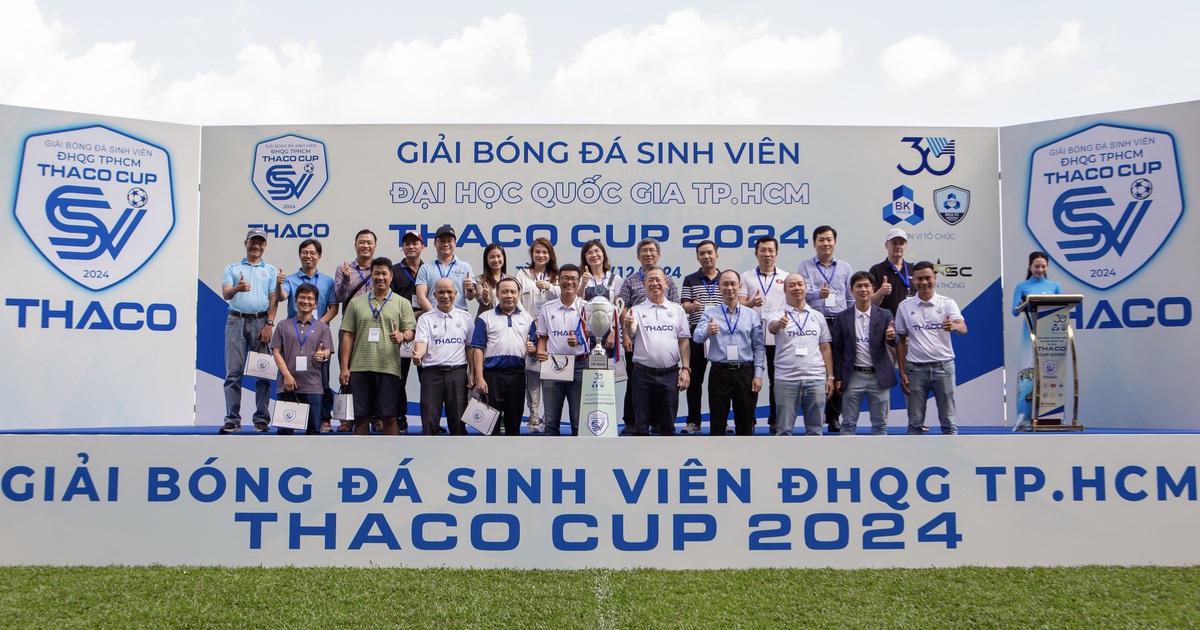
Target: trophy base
x,y
598,362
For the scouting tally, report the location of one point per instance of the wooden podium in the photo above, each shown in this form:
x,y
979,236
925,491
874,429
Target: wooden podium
x,y
1053,337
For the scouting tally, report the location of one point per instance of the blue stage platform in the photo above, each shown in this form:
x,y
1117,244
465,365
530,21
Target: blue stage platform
x,y
415,431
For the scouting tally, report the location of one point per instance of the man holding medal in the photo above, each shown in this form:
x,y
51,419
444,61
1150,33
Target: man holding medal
x,y
302,345
804,362
373,327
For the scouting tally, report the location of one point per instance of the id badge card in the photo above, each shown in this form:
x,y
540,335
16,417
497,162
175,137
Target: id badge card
x,y
833,302
301,363
731,354
706,342
801,350
373,335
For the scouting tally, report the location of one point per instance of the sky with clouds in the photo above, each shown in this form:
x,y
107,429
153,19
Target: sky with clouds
x,y
751,62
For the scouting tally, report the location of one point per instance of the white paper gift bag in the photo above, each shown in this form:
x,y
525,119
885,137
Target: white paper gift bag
x,y
343,407
290,415
261,365
480,416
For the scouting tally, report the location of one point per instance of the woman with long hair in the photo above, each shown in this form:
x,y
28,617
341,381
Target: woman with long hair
x,y
495,267
1036,283
539,284
599,277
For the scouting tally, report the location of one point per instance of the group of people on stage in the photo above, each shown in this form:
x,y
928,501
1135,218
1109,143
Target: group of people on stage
x,y
825,336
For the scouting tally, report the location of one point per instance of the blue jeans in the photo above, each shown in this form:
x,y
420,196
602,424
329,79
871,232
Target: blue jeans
x,y
553,395
241,336
791,397
938,377
860,385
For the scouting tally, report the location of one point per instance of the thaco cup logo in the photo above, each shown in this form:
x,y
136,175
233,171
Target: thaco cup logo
x,y
289,172
96,203
1103,201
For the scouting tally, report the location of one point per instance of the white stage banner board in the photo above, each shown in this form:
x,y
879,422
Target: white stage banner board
x,y
98,321
476,502
679,184
1106,197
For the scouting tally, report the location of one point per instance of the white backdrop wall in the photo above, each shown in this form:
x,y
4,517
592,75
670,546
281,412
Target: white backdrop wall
x,y
681,185
98,322
1106,196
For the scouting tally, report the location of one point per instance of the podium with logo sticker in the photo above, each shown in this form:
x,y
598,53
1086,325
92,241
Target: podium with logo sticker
x,y
1053,337
598,404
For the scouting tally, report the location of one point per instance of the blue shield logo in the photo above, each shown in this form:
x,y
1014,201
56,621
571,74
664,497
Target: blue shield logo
x,y
951,204
95,202
290,172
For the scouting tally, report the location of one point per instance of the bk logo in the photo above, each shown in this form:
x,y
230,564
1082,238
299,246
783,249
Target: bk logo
x,y
95,202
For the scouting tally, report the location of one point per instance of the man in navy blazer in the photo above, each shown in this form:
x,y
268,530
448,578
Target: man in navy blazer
x,y
862,363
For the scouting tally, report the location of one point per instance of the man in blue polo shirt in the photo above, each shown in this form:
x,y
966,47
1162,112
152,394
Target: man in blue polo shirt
x,y
326,310
250,287
499,344
446,265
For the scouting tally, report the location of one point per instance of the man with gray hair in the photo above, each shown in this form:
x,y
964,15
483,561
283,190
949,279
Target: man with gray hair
x,y
633,292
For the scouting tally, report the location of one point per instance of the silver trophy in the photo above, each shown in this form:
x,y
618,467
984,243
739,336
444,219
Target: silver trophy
x,y
601,317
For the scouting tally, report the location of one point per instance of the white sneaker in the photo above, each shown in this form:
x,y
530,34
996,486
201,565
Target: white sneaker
x,y
536,426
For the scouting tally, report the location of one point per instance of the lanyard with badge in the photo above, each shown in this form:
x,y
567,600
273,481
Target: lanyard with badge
x,y
731,349
416,304
903,273
301,359
374,334
801,346
770,283
831,302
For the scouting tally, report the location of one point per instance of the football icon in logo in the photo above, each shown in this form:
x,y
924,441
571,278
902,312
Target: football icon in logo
x,y
290,172
1103,201
95,202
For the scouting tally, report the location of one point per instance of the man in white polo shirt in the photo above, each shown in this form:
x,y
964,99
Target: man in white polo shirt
x,y
926,357
499,346
656,333
803,361
762,290
441,353
561,333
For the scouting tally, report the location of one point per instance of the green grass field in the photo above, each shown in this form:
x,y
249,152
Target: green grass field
x,y
118,597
